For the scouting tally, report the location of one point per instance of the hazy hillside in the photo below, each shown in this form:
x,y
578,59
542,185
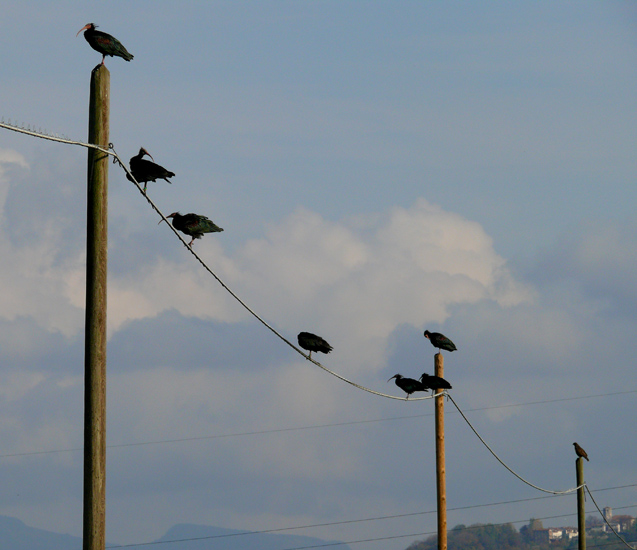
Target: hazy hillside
x,y
15,535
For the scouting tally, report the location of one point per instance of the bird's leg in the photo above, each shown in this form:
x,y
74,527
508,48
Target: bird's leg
x,y
145,185
190,243
103,57
310,355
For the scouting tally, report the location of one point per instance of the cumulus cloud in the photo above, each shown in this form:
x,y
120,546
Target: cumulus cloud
x,y
353,280
359,279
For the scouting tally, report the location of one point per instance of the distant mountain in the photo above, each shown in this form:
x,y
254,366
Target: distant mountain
x,y
15,535
203,537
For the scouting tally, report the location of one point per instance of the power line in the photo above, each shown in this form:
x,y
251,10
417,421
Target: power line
x,y
378,518
312,427
26,129
606,521
269,531
553,400
502,462
434,532
244,305
117,160
471,527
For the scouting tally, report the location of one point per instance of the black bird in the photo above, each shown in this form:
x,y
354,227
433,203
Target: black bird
x,y
408,385
193,225
144,170
434,382
440,341
580,452
312,342
104,43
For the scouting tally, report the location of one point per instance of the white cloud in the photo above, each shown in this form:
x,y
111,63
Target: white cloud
x,y
165,285
354,281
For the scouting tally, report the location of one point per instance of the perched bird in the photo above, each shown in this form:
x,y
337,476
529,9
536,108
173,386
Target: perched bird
x,y
580,452
440,341
104,43
312,342
144,170
434,382
408,385
193,225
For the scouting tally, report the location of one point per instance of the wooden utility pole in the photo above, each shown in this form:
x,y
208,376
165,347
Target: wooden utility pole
x,y
95,331
441,481
581,508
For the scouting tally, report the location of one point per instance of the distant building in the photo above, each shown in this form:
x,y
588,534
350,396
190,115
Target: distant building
x,y
558,533
536,532
540,536
619,523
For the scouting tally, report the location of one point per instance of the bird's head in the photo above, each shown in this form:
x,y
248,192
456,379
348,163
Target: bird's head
x,y
143,152
87,27
169,216
424,376
427,333
396,376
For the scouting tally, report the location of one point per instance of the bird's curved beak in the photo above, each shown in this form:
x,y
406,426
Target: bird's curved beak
x,y
147,153
392,377
162,220
88,25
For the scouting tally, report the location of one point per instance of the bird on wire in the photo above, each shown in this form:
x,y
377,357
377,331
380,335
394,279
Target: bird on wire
x,y
312,342
408,385
104,43
580,452
434,382
193,225
440,341
144,170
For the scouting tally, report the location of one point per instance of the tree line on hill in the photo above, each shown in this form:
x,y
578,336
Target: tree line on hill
x,y
482,536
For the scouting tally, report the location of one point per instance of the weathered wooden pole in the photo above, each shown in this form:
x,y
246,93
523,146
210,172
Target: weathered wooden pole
x,y
581,508
95,330
441,481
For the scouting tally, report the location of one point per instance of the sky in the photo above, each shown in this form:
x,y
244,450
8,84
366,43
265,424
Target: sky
x,y
379,168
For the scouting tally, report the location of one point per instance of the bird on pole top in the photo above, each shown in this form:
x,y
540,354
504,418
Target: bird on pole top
x,y
104,43
434,382
580,452
440,341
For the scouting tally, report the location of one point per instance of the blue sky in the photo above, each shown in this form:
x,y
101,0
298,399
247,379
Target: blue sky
x,y
379,168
